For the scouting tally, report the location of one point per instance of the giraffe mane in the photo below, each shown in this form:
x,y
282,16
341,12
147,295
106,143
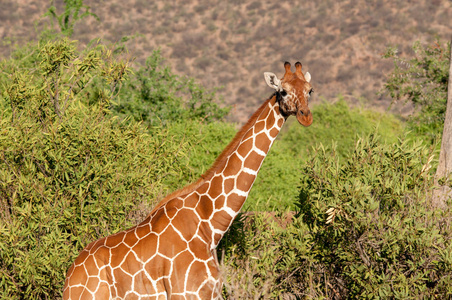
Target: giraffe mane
x,y
220,161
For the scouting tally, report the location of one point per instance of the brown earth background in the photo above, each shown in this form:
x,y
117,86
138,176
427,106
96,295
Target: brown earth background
x,y
229,44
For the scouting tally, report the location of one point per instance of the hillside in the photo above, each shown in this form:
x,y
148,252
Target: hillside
x,y
229,44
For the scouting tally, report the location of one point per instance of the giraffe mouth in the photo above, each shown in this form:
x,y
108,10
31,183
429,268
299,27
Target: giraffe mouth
x,y
304,117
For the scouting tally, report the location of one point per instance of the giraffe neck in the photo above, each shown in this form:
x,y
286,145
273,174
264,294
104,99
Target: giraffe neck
x,y
226,191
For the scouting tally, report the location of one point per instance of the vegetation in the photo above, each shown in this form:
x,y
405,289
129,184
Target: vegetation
x,y
156,96
422,80
89,142
335,124
363,229
67,158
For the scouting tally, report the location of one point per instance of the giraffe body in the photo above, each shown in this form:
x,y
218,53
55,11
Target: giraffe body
x,y
172,253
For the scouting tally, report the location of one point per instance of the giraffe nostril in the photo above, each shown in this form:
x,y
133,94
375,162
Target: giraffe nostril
x,y
301,112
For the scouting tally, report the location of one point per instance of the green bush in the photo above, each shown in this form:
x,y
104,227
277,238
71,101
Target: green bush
x,y
267,256
372,227
64,186
155,95
422,79
70,171
363,230
206,141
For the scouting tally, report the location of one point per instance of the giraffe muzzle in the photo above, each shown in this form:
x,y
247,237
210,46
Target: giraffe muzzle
x,y
304,117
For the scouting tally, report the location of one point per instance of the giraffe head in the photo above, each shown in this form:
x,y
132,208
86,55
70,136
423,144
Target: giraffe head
x,y
293,92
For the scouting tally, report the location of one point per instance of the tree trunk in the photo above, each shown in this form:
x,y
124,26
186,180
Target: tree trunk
x,y
443,192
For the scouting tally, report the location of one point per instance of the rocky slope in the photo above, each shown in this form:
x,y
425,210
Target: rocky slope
x,y
229,44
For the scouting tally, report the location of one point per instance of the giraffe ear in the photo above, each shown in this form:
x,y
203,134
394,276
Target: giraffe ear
x,y
307,76
273,81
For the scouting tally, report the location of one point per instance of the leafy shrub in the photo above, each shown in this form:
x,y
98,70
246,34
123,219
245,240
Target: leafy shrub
x,y
371,224
74,11
267,256
206,141
157,96
423,81
84,177
47,78
363,230
70,171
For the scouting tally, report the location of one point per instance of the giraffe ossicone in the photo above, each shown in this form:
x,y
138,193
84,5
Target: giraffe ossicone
x,y
172,253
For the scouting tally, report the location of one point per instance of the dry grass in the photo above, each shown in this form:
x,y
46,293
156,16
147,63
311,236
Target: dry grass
x,y
256,36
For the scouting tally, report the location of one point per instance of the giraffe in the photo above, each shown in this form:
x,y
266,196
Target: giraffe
x,y
172,253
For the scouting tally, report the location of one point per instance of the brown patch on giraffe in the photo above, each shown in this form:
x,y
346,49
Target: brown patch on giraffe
x,y
205,208
229,185
248,135
96,245
191,201
81,258
235,201
123,282
270,120
79,276
146,248
133,297
220,220
220,200
204,230
92,284
263,142
213,268
244,181
245,148
142,284
131,264
280,122
160,221
114,239
104,288
173,206
200,248
259,126
253,160
171,212
216,187
131,239
233,166
180,267
117,255
156,267
217,238
142,231
206,291
274,132
170,243
86,295
101,256
197,275
203,188
76,292
91,267
186,221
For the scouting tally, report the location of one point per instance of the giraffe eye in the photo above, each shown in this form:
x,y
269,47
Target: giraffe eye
x,y
283,93
311,91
